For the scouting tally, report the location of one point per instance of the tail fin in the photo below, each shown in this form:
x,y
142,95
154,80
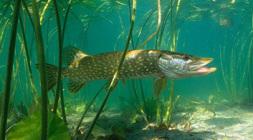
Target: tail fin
x,y
51,73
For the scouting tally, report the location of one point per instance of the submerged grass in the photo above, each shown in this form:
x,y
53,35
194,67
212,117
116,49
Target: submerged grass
x,y
159,18
10,60
250,69
167,117
42,70
61,32
28,60
235,75
162,117
60,48
87,109
151,109
114,80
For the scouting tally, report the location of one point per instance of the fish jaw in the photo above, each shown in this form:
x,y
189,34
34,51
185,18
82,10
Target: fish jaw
x,y
178,65
200,67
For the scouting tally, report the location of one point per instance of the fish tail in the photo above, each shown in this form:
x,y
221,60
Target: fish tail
x,y
51,75
51,71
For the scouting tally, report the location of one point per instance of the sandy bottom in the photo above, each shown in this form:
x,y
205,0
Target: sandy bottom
x,y
220,122
233,123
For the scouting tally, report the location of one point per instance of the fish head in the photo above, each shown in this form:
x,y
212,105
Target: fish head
x,y
175,65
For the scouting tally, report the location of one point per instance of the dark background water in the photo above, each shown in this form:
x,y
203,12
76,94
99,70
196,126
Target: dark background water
x,y
96,31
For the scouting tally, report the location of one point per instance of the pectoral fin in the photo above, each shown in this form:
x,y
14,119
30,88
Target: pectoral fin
x,y
159,86
75,86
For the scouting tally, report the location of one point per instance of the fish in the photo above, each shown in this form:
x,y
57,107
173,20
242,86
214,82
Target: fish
x,y
80,68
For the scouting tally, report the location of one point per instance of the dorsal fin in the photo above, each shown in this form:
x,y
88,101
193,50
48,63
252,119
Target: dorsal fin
x,y
72,56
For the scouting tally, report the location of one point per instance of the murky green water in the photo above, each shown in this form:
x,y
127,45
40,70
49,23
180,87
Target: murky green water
x,y
212,106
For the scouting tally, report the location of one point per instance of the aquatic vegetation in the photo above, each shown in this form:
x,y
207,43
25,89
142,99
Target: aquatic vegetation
x,y
114,80
7,90
250,68
59,92
233,74
32,124
87,109
146,108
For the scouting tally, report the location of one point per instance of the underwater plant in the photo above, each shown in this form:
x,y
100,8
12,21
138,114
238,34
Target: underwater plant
x,y
45,27
42,70
234,77
113,82
7,90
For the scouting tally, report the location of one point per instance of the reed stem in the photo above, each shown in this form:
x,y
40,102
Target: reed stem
x,y
25,46
63,35
28,60
172,48
87,109
44,11
62,105
66,19
10,60
114,80
60,60
60,46
28,13
159,18
42,70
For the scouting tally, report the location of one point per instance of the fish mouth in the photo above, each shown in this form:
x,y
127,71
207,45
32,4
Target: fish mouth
x,y
200,67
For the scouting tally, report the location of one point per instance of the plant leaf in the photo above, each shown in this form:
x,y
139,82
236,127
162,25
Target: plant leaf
x,y
159,86
30,128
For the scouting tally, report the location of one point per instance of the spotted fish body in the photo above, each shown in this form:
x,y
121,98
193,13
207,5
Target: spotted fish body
x,y
137,64
82,68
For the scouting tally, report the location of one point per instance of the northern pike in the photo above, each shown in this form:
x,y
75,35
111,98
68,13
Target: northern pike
x,y
82,68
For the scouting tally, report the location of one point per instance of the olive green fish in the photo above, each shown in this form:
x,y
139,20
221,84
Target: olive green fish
x,y
82,68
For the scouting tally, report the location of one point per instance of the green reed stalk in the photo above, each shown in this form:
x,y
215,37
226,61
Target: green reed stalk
x,y
66,19
62,105
144,101
60,46
60,60
250,69
87,109
11,54
135,93
114,80
163,26
150,13
142,93
25,45
159,17
173,48
28,13
250,73
235,77
63,35
28,60
42,70
171,103
44,11
4,27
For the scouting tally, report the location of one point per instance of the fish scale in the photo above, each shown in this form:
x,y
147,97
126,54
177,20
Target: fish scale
x,y
103,66
82,68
